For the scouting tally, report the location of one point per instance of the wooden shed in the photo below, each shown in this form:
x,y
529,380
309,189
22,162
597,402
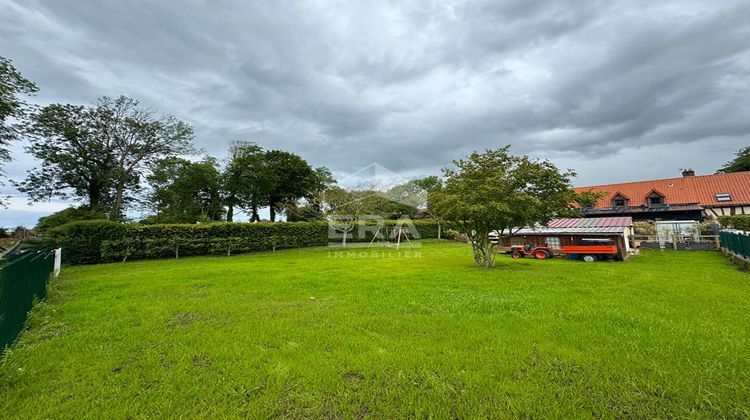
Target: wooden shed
x,y
569,231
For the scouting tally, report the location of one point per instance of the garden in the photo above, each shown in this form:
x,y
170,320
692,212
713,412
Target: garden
x,y
318,331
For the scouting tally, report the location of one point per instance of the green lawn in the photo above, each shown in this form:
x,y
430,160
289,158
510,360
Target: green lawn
x,y
307,333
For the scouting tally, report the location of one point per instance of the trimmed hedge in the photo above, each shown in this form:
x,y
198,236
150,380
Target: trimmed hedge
x,y
82,240
90,242
163,241
735,222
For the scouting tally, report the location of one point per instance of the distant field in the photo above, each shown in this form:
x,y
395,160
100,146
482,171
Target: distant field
x,y
309,333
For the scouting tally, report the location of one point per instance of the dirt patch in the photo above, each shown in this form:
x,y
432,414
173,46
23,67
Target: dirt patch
x,y
180,319
352,377
201,360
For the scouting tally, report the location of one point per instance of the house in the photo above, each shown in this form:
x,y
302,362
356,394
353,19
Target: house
x,y
560,232
690,197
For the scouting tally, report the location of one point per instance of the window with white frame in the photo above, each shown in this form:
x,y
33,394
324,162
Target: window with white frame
x,y
552,242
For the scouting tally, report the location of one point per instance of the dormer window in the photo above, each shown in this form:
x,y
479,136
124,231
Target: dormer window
x,y
619,201
723,197
655,199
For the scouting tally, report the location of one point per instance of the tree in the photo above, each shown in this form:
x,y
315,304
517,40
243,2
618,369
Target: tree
x,y
311,208
246,181
291,178
137,139
740,163
185,192
346,208
98,154
75,163
497,192
13,109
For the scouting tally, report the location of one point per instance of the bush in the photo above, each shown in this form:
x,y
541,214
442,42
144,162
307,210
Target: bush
x,y
81,241
735,222
71,214
644,228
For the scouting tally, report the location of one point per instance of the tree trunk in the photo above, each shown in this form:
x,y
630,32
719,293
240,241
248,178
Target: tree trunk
x,y
94,197
230,212
117,208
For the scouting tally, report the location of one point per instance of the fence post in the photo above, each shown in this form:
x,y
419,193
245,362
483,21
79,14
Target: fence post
x,y
58,262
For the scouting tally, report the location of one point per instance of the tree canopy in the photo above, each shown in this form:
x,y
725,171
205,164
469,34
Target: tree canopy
x,y
182,191
98,154
495,191
740,163
13,108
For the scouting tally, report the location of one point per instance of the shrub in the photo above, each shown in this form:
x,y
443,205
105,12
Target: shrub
x,y
644,228
735,222
81,241
71,214
708,228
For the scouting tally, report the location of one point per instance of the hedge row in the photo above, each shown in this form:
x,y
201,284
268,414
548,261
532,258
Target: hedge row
x,y
95,241
735,222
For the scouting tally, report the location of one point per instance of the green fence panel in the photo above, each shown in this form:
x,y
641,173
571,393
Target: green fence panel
x,y
737,242
23,280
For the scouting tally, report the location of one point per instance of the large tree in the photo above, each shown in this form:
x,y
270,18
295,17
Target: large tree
x,y
245,180
74,162
291,177
13,109
138,138
185,192
98,154
740,163
495,191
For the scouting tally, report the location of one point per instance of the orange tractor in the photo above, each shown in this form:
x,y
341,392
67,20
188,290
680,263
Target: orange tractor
x,y
539,252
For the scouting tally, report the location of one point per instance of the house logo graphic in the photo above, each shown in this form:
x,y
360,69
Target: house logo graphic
x,y
367,209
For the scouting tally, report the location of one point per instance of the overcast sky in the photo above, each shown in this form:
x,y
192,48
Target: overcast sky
x,y
617,90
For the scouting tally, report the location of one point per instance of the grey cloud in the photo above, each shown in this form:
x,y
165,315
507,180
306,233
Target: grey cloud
x,y
411,85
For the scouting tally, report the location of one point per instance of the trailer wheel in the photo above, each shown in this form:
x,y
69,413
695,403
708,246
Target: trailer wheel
x,y
516,255
589,258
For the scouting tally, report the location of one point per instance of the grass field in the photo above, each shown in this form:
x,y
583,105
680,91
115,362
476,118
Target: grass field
x,y
309,333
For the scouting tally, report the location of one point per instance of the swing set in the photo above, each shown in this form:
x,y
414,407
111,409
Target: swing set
x,y
396,234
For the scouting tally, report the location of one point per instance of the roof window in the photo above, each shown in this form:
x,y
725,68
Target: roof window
x,y
724,197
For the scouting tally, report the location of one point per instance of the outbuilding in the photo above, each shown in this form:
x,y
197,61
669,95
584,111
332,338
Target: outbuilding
x,y
570,231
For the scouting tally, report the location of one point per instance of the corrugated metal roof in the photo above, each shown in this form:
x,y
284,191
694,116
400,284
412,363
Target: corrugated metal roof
x,y
570,231
592,225
700,190
592,222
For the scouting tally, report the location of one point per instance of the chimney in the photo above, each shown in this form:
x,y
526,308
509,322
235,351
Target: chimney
x,y
688,172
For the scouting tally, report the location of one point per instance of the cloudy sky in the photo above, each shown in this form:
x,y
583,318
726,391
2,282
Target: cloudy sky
x,y
617,90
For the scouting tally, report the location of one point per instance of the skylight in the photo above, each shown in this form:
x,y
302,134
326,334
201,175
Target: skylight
x,y
723,197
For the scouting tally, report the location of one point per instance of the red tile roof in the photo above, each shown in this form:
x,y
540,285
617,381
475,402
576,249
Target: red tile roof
x,y
700,190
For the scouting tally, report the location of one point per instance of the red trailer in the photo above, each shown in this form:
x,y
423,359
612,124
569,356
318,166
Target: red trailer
x,y
592,250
